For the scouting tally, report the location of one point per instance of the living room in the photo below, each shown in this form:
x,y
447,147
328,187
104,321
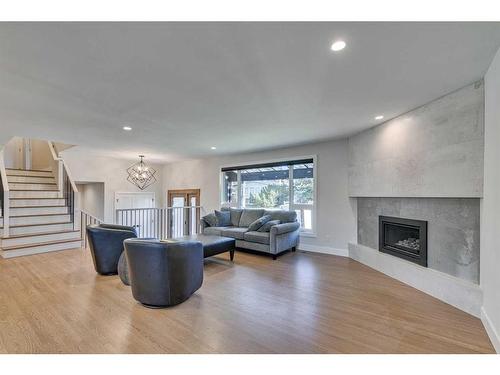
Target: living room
x,y
250,188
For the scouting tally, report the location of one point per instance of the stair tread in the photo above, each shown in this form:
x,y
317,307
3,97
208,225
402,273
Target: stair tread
x,y
32,183
36,198
17,247
55,205
41,234
34,190
34,215
28,175
29,170
40,224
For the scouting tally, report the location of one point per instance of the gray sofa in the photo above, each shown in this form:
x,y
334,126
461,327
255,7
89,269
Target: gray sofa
x,y
281,237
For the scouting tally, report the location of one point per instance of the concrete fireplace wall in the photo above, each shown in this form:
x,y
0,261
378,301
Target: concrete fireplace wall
x,y
453,229
433,151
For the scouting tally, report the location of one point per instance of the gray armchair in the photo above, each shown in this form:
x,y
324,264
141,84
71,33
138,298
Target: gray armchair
x,y
106,245
164,273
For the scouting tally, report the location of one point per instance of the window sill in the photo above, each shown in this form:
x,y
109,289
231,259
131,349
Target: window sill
x,y
307,234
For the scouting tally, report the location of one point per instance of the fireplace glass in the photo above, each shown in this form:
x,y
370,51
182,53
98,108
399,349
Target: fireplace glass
x,y
404,238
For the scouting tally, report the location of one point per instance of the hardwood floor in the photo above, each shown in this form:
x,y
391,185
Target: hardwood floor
x,y
300,303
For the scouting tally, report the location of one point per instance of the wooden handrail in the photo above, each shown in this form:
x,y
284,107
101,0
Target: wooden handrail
x,y
57,158
4,195
72,182
65,182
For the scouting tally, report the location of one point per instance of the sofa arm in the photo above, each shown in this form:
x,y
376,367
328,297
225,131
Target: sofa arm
x,y
284,228
283,237
203,225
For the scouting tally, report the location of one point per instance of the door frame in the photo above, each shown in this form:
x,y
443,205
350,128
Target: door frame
x,y
171,193
185,192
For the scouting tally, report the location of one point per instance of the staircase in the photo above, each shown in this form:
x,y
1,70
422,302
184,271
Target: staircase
x,y
40,217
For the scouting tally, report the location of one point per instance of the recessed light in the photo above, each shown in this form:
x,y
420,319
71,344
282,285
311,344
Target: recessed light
x,y
213,148
338,45
379,117
127,128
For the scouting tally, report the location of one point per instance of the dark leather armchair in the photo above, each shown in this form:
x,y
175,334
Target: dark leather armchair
x,y
106,245
164,273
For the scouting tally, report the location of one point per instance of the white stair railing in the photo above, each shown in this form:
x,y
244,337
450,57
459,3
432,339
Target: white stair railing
x,y
87,219
161,223
65,183
4,196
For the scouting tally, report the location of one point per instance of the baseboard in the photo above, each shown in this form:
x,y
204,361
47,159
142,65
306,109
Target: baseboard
x,y
323,250
490,330
459,293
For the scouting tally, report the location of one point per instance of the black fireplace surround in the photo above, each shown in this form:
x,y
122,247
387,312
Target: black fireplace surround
x,y
404,238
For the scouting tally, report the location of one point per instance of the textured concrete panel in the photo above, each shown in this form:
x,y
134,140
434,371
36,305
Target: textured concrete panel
x,y
433,151
453,229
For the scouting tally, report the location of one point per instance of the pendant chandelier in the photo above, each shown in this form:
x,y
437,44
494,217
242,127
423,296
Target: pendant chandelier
x,y
140,174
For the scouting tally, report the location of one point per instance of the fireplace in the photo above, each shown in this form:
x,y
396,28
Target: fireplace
x,y
404,238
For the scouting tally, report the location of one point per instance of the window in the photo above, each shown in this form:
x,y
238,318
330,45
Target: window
x,y
287,185
230,188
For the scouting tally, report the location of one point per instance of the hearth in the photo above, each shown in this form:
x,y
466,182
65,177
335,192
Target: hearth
x,y
404,238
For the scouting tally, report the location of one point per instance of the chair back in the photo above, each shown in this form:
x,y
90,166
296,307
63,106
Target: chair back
x,y
106,245
164,273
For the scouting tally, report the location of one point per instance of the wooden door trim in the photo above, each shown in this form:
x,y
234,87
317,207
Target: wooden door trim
x,y
184,192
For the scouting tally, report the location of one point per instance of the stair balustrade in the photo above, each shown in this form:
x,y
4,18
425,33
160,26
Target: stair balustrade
x,y
4,197
65,182
87,219
161,223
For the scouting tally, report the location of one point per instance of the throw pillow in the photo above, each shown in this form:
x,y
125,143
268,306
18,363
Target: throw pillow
x,y
210,219
267,226
249,215
235,216
259,222
223,218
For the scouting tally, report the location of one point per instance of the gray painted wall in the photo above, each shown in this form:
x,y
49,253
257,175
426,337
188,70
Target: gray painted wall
x,y
336,212
433,151
490,209
453,229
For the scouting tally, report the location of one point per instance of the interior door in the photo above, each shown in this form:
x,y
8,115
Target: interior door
x,y
185,212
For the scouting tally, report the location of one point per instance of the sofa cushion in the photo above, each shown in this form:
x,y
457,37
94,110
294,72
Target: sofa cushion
x,y
210,219
285,216
223,218
258,223
267,226
233,232
249,215
259,237
235,214
214,230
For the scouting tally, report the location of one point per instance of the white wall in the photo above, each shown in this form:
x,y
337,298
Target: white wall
x,y
91,197
336,213
85,166
41,157
490,213
12,153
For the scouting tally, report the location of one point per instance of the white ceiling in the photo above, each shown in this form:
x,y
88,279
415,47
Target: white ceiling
x,y
185,87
